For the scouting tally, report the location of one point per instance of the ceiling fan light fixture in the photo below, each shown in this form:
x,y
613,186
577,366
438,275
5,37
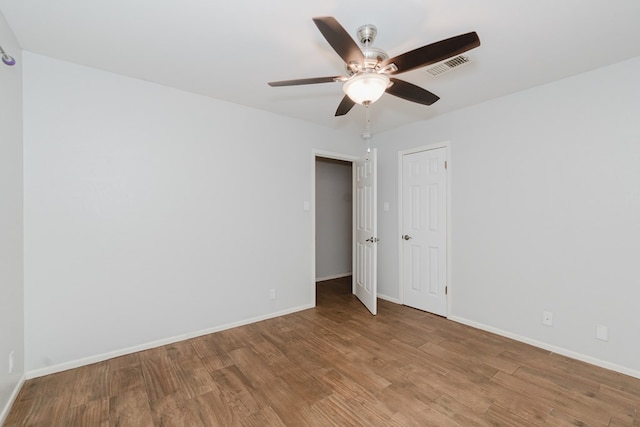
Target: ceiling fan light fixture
x,y
366,88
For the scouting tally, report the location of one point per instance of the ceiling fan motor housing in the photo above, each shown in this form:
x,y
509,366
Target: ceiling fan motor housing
x,y
366,34
372,57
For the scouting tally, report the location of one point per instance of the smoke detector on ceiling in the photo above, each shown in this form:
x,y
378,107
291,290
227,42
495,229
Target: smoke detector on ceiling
x,y
447,65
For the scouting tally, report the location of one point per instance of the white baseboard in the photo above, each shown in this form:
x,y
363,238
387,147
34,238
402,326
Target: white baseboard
x,y
388,298
106,356
333,276
12,399
553,348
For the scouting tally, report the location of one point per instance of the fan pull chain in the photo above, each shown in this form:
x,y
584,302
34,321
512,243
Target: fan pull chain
x,y
8,60
367,127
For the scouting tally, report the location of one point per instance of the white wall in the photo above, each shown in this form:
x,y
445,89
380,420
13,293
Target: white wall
x,y
152,213
334,190
143,205
545,212
11,278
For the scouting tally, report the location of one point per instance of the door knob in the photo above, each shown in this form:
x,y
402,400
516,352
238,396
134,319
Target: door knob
x,y
406,237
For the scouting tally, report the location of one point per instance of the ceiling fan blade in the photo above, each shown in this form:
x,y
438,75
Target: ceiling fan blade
x,y
411,92
308,81
345,106
434,52
339,39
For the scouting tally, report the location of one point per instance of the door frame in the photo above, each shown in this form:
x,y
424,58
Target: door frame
x,y
401,154
315,153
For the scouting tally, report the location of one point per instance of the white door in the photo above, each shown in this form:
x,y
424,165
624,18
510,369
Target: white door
x,y
424,230
365,230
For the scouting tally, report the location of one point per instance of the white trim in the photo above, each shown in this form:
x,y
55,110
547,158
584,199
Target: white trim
x,y
354,224
106,356
333,276
12,399
552,348
390,299
315,153
446,145
333,155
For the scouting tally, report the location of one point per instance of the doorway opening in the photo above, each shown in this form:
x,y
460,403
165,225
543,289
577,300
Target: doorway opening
x,y
363,228
333,219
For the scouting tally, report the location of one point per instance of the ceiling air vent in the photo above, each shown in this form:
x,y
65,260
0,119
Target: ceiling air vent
x,y
447,65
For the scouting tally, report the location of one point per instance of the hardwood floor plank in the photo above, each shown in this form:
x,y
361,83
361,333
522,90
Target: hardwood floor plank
x,y
617,422
210,351
457,412
211,409
284,401
130,408
42,411
350,412
306,385
126,379
483,352
469,394
533,410
466,364
560,418
429,382
577,368
193,381
236,390
499,416
264,417
335,365
159,375
254,369
171,412
126,361
92,413
406,401
621,397
268,352
584,394
562,400
91,383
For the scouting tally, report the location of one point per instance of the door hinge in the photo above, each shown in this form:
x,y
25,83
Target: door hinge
x,y
446,290
445,164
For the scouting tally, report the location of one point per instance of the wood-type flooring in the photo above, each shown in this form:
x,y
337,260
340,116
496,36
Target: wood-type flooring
x,y
335,365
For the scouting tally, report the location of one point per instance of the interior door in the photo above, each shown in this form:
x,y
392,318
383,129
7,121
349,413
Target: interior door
x,y
424,230
365,229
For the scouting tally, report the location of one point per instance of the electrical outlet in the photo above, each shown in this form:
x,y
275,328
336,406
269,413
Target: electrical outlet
x,y
11,362
547,318
272,294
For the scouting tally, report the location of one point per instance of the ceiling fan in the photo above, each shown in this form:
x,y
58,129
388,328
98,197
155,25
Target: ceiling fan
x,y
370,69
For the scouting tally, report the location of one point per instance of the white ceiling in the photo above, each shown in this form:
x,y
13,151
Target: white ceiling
x,y
229,50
